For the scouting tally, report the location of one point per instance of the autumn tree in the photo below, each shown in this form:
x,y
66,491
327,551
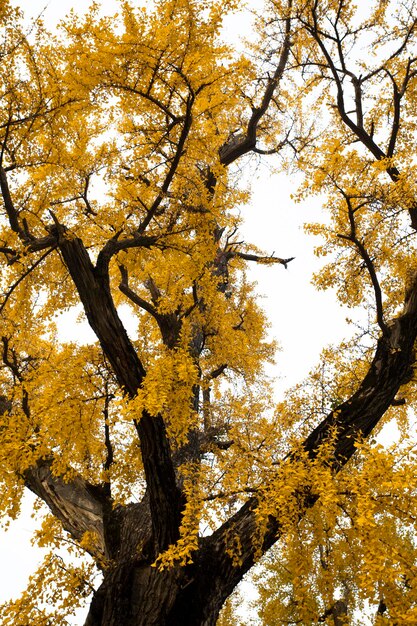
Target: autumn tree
x,y
162,456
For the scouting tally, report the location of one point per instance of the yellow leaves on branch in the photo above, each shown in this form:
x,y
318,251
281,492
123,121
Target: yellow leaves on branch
x,y
53,593
108,135
181,553
357,543
168,391
92,121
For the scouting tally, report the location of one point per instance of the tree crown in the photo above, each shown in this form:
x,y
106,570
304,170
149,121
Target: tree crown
x,y
119,143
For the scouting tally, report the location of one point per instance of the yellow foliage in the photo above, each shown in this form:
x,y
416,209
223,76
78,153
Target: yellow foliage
x,y
115,136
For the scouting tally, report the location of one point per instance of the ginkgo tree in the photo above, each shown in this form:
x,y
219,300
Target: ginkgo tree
x,y
163,458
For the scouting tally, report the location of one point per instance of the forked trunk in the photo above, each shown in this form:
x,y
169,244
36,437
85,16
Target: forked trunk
x,y
135,593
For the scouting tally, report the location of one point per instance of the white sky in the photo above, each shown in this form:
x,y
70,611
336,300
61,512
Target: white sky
x,y
303,320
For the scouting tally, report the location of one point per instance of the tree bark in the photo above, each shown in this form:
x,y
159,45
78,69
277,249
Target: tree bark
x,y
78,505
92,283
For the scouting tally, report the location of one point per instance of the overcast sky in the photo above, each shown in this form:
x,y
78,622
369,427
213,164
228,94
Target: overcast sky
x,y
303,320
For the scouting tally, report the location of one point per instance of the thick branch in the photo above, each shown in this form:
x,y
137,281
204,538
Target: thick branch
x,y
242,144
338,611
8,204
77,504
93,287
94,290
115,245
357,417
397,115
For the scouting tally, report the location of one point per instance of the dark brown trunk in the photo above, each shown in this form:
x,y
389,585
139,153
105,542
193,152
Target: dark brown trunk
x,y
134,595
92,283
140,595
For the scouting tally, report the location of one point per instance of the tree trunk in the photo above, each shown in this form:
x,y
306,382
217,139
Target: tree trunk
x,y
134,593
137,594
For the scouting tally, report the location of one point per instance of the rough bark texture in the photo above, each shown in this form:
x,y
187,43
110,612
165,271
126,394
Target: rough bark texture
x,y
93,287
77,504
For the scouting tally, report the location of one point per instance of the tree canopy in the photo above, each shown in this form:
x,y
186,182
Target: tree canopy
x,y
162,457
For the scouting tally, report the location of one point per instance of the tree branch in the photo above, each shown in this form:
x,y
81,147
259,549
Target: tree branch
x,y
133,296
23,276
169,323
174,164
358,128
33,244
397,114
391,367
77,504
9,206
93,286
260,259
236,147
367,260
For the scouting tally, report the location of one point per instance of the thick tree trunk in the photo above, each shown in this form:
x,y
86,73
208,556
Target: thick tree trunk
x,y
134,593
137,594
202,588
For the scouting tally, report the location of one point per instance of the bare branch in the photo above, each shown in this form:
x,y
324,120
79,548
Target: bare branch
x,y
268,260
244,143
24,275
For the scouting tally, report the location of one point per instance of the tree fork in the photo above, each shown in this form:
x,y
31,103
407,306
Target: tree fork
x,y
194,595
94,290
